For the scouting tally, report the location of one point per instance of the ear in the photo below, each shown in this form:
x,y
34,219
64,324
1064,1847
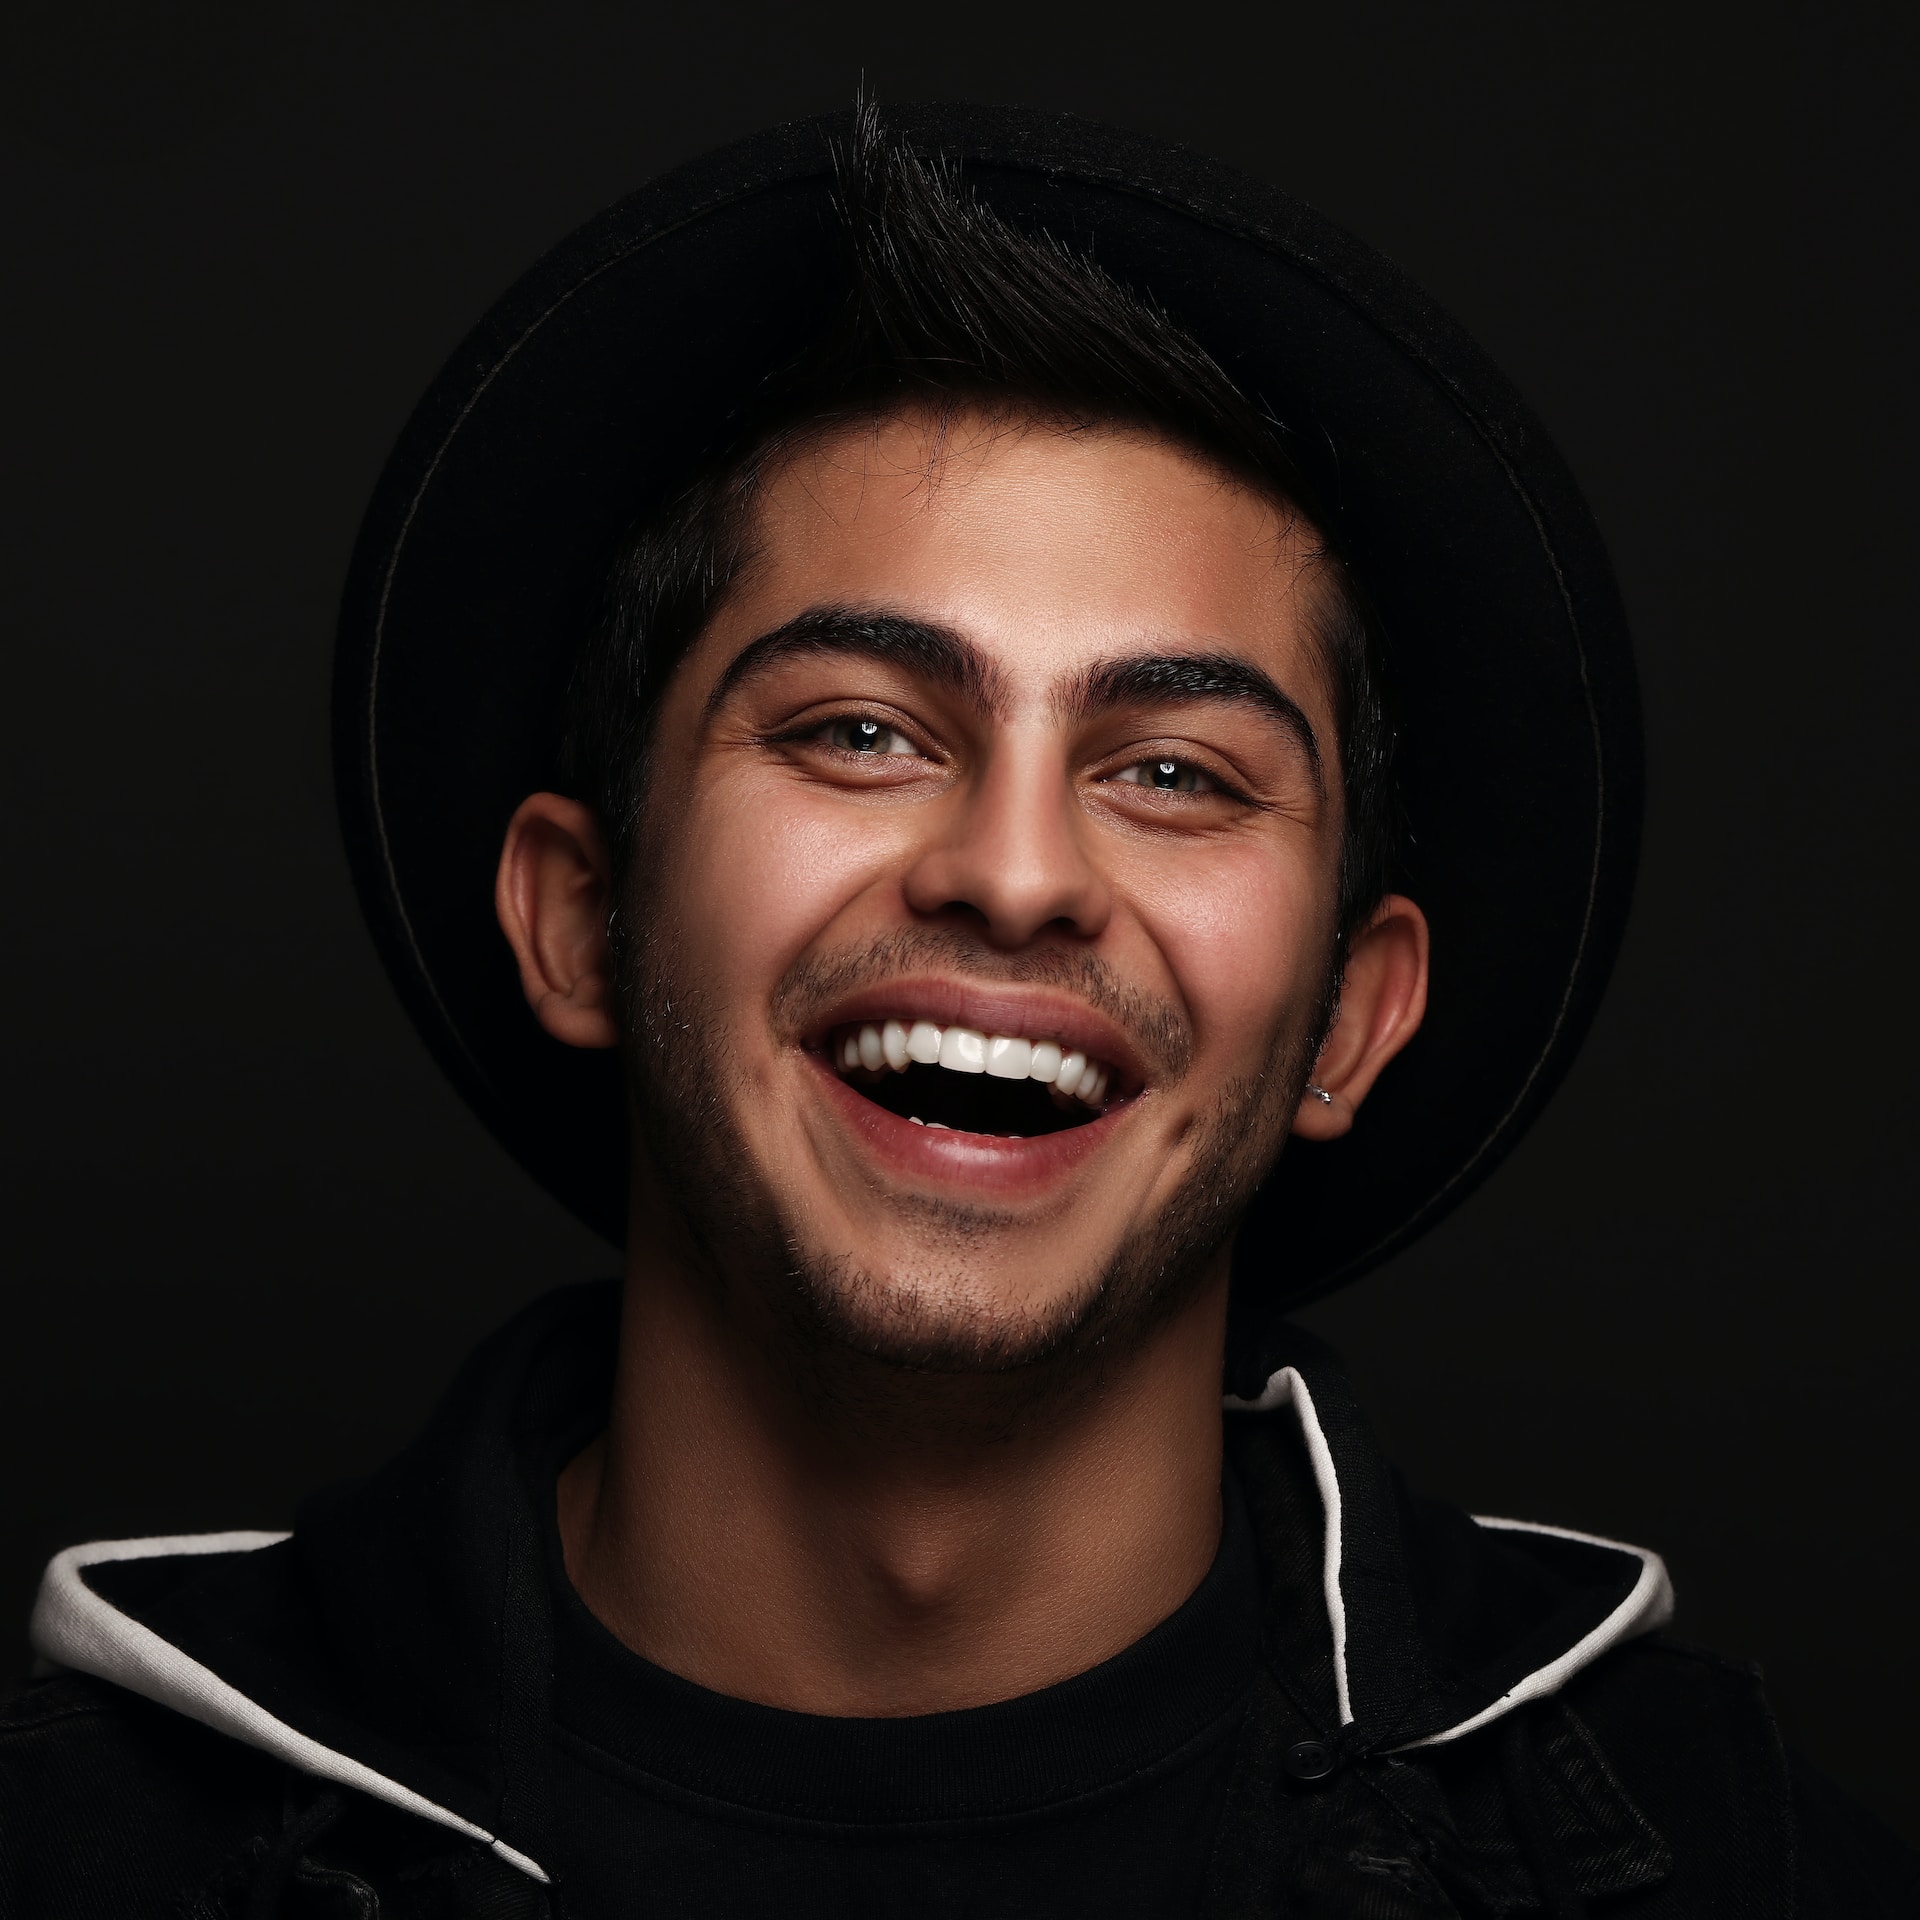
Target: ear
x,y
1383,999
552,893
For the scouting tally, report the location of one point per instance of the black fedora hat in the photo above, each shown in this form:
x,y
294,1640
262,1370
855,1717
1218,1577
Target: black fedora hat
x,y
596,383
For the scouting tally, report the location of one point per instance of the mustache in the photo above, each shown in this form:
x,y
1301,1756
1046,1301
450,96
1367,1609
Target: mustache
x,y
814,983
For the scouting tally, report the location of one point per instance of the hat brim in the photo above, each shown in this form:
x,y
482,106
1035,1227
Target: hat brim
x,y
592,386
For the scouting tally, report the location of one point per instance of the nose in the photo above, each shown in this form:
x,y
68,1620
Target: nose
x,y
1013,854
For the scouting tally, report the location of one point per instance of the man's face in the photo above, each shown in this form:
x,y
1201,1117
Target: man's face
x,y
1010,752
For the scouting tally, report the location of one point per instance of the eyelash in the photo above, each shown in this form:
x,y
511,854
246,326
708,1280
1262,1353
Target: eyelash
x,y
869,748
822,732
1155,765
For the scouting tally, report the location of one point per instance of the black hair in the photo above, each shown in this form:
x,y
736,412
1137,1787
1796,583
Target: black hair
x,y
951,307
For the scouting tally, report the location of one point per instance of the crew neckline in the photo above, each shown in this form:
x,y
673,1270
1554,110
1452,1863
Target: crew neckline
x,y
1175,1691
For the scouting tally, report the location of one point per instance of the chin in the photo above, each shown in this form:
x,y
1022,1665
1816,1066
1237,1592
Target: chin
x,y
942,1314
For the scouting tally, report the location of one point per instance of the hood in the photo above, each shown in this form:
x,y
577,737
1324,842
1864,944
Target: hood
x,y
398,1641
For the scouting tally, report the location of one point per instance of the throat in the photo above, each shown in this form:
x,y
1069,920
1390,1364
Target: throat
x,y
883,1567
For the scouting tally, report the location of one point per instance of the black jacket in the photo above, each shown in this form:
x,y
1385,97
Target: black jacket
x,y
1451,1716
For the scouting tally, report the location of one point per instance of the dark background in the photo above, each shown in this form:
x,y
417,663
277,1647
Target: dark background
x,y
248,1232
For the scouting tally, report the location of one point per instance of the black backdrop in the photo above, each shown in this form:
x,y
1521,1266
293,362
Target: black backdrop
x,y
247,1231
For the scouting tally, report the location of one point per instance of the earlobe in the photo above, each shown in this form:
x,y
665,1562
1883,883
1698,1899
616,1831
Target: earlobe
x,y
552,895
1383,999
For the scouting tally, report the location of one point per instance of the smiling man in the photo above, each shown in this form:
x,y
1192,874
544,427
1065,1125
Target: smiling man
x,y
974,926
978,965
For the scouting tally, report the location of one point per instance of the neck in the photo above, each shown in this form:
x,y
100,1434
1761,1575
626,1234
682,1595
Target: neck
x,y
724,1530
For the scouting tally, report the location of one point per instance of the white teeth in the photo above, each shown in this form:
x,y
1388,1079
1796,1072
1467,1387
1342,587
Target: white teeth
x,y
963,1051
1009,1059
893,1043
877,1046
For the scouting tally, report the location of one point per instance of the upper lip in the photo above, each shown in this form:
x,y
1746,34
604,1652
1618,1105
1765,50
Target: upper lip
x,y
1030,1013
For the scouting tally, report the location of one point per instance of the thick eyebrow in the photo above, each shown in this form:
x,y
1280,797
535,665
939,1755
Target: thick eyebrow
x,y
1141,678
933,652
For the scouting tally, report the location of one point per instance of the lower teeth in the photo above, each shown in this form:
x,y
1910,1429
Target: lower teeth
x,y
940,1126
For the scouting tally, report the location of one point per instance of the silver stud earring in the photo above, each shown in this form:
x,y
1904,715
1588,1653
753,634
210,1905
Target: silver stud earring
x,y
1320,1094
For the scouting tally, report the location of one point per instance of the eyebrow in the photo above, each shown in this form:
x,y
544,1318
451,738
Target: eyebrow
x,y
931,651
1138,679
950,660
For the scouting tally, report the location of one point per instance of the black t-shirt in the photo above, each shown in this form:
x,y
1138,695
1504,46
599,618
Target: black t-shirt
x,y
1097,1797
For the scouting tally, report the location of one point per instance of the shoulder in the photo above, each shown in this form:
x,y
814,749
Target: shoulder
x,y
1652,1690
110,1805
113,1808
1694,1741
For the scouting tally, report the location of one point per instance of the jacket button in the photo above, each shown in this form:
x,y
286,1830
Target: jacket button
x,y
1309,1760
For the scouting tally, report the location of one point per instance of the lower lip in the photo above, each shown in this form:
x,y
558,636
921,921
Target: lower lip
x,y
980,1162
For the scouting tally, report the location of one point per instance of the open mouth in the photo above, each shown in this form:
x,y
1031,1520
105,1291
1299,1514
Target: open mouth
x,y
1004,1085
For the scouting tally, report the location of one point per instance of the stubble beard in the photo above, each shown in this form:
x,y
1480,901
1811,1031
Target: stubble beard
x,y
859,1340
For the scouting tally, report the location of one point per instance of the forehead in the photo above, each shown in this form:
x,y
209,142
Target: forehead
x,y
1045,545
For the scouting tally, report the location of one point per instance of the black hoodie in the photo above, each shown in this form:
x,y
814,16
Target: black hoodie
x,y
1447,1715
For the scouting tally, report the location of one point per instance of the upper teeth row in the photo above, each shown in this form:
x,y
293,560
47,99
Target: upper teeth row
x,y
898,1044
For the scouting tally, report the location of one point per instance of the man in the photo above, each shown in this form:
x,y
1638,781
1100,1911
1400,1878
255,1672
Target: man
x,y
925,668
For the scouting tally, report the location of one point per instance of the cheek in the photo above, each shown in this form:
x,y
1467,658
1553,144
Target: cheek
x,y
1245,934
759,874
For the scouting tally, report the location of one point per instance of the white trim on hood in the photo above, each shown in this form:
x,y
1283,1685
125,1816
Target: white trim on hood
x,y
1648,1607
1287,1389
75,1627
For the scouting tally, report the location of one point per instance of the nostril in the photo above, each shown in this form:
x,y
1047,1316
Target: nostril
x,y
1009,893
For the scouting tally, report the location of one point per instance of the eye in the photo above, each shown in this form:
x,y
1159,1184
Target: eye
x,y
1167,776
865,736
